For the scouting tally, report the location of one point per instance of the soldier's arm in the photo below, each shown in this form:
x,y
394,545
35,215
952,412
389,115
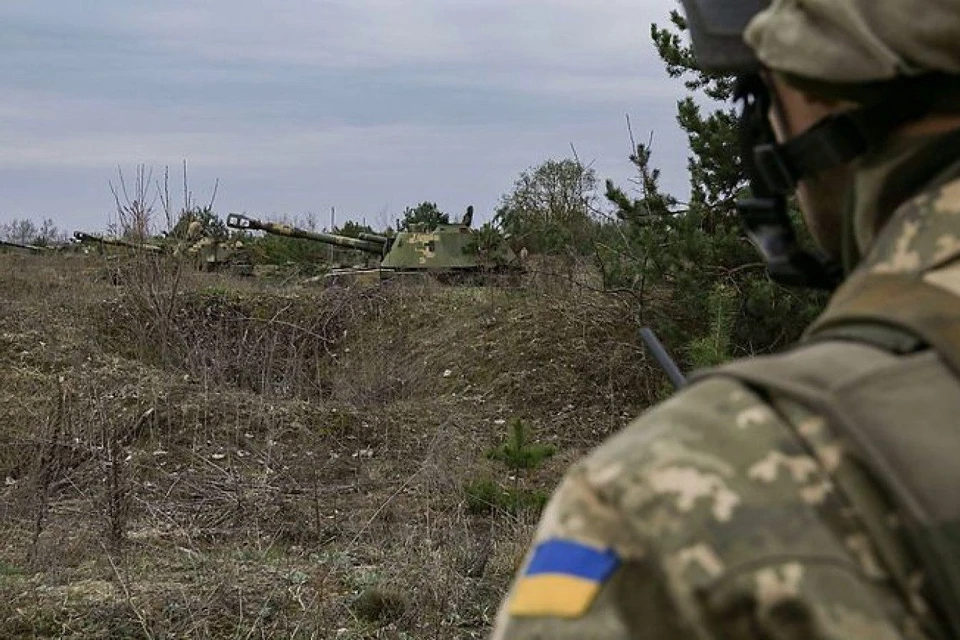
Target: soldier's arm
x,y
707,518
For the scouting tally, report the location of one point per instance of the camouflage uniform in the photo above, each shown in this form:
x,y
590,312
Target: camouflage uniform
x,y
734,515
739,511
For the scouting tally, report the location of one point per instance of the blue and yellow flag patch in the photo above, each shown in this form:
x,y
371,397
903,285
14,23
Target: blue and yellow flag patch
x,y
562,579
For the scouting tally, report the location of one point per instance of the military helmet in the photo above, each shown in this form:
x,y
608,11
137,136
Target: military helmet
x,y
836,41
716,29
898,61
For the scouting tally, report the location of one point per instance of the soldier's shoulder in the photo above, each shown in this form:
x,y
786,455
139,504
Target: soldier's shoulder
x,y
716,496
699,420
923,234
711,465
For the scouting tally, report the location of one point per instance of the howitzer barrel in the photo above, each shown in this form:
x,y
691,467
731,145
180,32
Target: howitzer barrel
x,y
238,221
17,245
116,242
374,237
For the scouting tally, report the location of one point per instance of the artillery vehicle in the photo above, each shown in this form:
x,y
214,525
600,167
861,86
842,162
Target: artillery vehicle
x,y
448,252
102,241
215,255
208,254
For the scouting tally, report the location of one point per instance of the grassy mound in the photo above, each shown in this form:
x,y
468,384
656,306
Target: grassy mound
x,y
187,455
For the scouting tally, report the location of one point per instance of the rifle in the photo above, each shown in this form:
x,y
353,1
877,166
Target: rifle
x,y
663,358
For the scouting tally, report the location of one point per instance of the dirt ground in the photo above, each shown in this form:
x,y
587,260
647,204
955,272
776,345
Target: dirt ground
x,y
192,455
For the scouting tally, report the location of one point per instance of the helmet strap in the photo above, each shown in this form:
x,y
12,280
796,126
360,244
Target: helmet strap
x,y
773,171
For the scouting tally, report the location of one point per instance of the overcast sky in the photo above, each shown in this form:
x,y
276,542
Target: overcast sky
x,y
298,106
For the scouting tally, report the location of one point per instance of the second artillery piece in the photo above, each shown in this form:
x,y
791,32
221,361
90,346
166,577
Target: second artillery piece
x,y
100,241
449,252
207,253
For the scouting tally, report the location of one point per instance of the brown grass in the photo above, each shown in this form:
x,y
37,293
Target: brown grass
x,y
188,455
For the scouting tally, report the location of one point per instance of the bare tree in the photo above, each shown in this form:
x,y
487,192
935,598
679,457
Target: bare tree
x,y
135,207
173,218
21,231
50,233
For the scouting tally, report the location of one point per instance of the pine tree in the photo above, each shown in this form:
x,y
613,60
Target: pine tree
x,y
700,281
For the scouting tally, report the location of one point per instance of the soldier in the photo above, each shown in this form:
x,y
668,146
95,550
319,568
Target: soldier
x,y
811,494
194,230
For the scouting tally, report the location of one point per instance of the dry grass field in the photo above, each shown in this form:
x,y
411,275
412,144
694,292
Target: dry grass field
x,y
191,455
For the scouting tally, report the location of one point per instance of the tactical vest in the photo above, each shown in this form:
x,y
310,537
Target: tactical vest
x,y
882,366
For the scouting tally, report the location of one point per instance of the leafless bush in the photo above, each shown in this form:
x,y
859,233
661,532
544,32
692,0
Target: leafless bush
x,y
135,205
171,215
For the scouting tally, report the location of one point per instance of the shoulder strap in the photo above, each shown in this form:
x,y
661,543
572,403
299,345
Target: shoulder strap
x,y
907,312
891,314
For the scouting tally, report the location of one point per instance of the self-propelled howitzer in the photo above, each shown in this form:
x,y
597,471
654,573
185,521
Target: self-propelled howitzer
x,y
452,253
373,244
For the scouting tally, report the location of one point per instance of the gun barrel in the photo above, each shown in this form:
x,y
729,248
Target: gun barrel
x,y
116,242
16,245
659,353
374,237
237,221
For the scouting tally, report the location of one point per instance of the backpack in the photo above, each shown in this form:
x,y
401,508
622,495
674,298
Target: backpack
x,y
882,366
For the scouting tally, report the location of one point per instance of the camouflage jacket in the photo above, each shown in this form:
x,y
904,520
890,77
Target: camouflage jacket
x,y
733,513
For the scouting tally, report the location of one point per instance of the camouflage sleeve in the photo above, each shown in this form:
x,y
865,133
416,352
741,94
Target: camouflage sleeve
x,y
706,518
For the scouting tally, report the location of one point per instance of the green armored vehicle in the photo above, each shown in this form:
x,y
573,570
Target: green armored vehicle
x,y
451,253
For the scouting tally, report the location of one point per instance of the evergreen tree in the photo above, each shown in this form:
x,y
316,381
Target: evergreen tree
x,y
211,225
425,214
713,295
352,229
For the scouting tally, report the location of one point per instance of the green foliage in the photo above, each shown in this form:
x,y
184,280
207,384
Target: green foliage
x,y
518,452
375,604
425,215
486,496
714,347
211,225
273,249
352,229
674,254
550,209
489,243
483,496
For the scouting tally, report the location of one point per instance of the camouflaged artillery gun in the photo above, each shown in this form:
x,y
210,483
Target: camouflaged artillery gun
x,y
372,245
117,253
101,242
450,253
207,254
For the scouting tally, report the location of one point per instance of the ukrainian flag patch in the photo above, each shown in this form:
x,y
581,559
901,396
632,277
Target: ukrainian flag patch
x,y
562,579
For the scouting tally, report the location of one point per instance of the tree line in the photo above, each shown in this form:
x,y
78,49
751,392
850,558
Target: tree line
x,y
26,231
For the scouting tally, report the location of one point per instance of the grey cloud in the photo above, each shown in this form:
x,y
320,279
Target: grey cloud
x,y
362,104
